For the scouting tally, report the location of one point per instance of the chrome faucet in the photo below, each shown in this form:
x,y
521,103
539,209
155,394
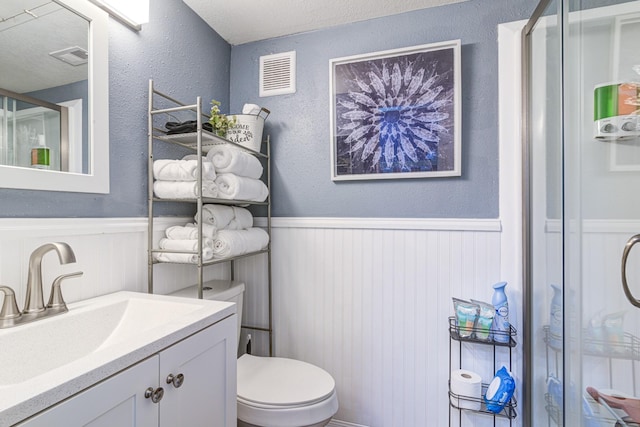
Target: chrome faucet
x,y
34,302
34,307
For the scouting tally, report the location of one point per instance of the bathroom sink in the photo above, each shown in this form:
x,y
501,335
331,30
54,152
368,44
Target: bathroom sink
x,y
51,343
96,338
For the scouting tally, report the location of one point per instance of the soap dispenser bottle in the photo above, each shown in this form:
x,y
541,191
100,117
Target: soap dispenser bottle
x,y
501,326
40,155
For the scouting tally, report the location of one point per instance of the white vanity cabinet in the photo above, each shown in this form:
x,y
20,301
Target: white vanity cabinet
x,y
198,380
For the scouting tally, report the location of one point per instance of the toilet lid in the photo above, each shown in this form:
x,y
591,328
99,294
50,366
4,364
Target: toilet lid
x,y
278,381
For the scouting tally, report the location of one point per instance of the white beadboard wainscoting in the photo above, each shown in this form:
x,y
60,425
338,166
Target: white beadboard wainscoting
x,y
368,300
365,299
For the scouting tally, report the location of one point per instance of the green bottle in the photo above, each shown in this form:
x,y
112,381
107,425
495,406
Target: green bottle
x,y
40,155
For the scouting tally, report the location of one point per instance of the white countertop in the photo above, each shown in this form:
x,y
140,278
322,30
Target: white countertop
x,y
46,377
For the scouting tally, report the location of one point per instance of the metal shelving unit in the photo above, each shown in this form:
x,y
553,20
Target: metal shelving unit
x,y
509,410
625,351
200,142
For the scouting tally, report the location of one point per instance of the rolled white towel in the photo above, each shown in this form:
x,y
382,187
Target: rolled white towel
x,y
181,232
194,157
217,215
183,258
184,189
184,244
231,159
208,230
235,187
182,170
242,219
230,243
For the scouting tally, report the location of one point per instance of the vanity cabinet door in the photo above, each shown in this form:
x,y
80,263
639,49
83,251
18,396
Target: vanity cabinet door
x,y
118,401
205,393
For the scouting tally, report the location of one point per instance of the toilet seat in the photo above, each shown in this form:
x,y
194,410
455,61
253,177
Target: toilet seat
x,y
280,392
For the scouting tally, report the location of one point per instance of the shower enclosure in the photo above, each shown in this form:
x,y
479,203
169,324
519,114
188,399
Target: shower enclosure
x,y
27,122
582,209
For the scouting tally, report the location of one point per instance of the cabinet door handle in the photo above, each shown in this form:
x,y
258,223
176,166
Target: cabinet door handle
x,y
176,380
627,248
155,395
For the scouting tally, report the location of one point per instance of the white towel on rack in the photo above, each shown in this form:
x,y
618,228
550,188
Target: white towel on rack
x,y
231,159
194,157
184,245
217,215
208,230
182,232
182,258
182,170
242,219
230,243
235,187
184,189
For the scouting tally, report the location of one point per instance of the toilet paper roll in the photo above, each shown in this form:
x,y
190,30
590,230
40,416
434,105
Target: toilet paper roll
x,y
466,384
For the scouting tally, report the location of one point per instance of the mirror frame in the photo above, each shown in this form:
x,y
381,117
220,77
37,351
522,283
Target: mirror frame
x,y
97,181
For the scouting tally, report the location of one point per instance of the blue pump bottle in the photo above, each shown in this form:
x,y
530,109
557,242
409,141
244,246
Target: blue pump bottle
x,y
501,319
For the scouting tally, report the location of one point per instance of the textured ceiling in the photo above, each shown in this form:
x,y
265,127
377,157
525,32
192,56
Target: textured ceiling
x,y
26,39
243,21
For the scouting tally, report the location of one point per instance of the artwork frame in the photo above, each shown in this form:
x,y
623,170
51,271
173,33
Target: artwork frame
x,y
396,113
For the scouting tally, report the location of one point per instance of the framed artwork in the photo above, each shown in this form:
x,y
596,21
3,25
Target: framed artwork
x,y
396,113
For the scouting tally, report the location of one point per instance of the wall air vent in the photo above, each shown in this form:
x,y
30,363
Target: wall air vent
x,y
278,74
72,55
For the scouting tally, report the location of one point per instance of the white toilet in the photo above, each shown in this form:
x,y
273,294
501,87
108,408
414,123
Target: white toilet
x,y
274,391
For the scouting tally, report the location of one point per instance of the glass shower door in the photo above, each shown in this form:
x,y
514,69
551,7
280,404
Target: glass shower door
x,y
584,152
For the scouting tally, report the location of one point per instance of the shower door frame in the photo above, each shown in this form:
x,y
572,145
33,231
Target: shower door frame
x,y
527,279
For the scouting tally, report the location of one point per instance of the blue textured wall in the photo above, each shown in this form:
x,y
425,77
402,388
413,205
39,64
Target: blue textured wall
x,y
299,123
186,58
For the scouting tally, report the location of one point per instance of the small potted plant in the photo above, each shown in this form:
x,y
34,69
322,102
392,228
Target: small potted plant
x,y
220,122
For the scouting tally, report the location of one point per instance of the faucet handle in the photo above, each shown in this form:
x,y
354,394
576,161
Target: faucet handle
x,y
55,299
9,307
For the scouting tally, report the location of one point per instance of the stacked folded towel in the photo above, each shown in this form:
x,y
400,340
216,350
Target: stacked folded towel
x,y
230,243
236,187
184,245
184,189
242,219
217,215
228,172
182,170
226,217
229,228
235,234
177,179
231,159
239,174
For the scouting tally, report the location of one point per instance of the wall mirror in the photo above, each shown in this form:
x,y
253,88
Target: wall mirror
x,y
54,125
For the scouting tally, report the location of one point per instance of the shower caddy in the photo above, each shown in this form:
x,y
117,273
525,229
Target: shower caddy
x,y
620,353
509,410
198,141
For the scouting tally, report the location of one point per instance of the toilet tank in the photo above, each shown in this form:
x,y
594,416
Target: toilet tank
x,y
218,290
